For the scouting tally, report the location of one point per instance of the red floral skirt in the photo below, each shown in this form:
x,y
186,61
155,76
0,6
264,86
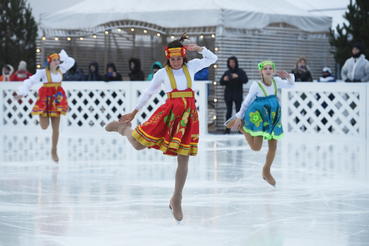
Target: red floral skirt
x,y
173,128
51,101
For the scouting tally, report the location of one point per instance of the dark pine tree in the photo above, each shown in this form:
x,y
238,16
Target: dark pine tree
x,y
18,32
346,36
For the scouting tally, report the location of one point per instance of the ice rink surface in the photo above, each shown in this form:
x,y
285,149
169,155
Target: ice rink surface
x,y
103,192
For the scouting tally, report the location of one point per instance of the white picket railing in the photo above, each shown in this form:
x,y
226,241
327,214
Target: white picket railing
x,y
91,105
326,109
315,109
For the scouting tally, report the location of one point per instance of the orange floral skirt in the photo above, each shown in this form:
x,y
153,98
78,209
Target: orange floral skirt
x,y
51,101
173,128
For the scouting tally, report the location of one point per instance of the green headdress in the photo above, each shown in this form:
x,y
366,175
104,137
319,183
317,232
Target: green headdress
x,y
267,62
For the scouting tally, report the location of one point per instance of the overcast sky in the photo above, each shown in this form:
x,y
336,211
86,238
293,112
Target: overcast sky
x,y
40,6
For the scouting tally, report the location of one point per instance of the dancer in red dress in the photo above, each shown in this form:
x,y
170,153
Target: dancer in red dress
x,y
174,127
51,101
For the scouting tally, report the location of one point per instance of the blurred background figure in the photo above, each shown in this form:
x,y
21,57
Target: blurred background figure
x,y
327,75
21,74
136,73
74,74
233,79
154,68
302,71
93,72
111,73
7,72
203,74
356,68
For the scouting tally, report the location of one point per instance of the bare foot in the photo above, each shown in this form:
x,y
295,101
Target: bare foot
x,y
54,155
112,126
268,176
175,205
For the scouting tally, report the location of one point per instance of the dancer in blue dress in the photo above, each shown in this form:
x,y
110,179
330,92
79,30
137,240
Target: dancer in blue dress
x,y
260,114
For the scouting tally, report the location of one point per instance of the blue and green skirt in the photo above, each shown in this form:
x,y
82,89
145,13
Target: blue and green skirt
x,y
263,118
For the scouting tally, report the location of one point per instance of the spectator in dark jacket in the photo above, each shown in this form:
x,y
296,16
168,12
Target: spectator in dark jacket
x,y
93,72
302,71
233,79
136,73
111,73
74,74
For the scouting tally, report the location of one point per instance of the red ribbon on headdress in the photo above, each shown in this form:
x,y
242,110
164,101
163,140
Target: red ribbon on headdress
x,y
51,57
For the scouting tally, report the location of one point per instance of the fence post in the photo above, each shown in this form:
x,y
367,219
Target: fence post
x,y
367,113
203,106
2,107
285,116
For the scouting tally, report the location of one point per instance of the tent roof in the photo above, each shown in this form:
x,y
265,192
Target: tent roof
x,y
238,14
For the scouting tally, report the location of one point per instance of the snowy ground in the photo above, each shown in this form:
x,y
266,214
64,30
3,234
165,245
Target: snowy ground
x,y
105,193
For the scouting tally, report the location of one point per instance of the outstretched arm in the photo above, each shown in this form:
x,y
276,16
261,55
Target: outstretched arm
x,y
28,83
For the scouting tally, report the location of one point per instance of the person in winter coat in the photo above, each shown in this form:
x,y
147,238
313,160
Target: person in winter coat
x,y
22,73
233,79
93,72
302,71
154,68
74,74
111,73
356,68
8,70
327,75
136,73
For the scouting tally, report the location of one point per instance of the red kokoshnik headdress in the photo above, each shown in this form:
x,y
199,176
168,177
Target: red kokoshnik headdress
x,y
51,57
180,51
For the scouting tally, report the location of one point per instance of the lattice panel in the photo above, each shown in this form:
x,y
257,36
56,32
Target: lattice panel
x,y
18,113
324,112
91,105
94,108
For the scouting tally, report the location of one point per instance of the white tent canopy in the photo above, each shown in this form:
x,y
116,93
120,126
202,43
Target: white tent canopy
x,y
238,14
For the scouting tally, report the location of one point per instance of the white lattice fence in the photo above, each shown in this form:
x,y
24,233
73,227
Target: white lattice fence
x,y
91,104
17,113
330,109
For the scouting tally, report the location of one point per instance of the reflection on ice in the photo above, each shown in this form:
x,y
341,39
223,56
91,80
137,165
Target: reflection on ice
x,y
105,193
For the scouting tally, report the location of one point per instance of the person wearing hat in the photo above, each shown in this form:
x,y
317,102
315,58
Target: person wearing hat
x,y
327,75
260,116
51,100
154,68
7,73
356,68
21,74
